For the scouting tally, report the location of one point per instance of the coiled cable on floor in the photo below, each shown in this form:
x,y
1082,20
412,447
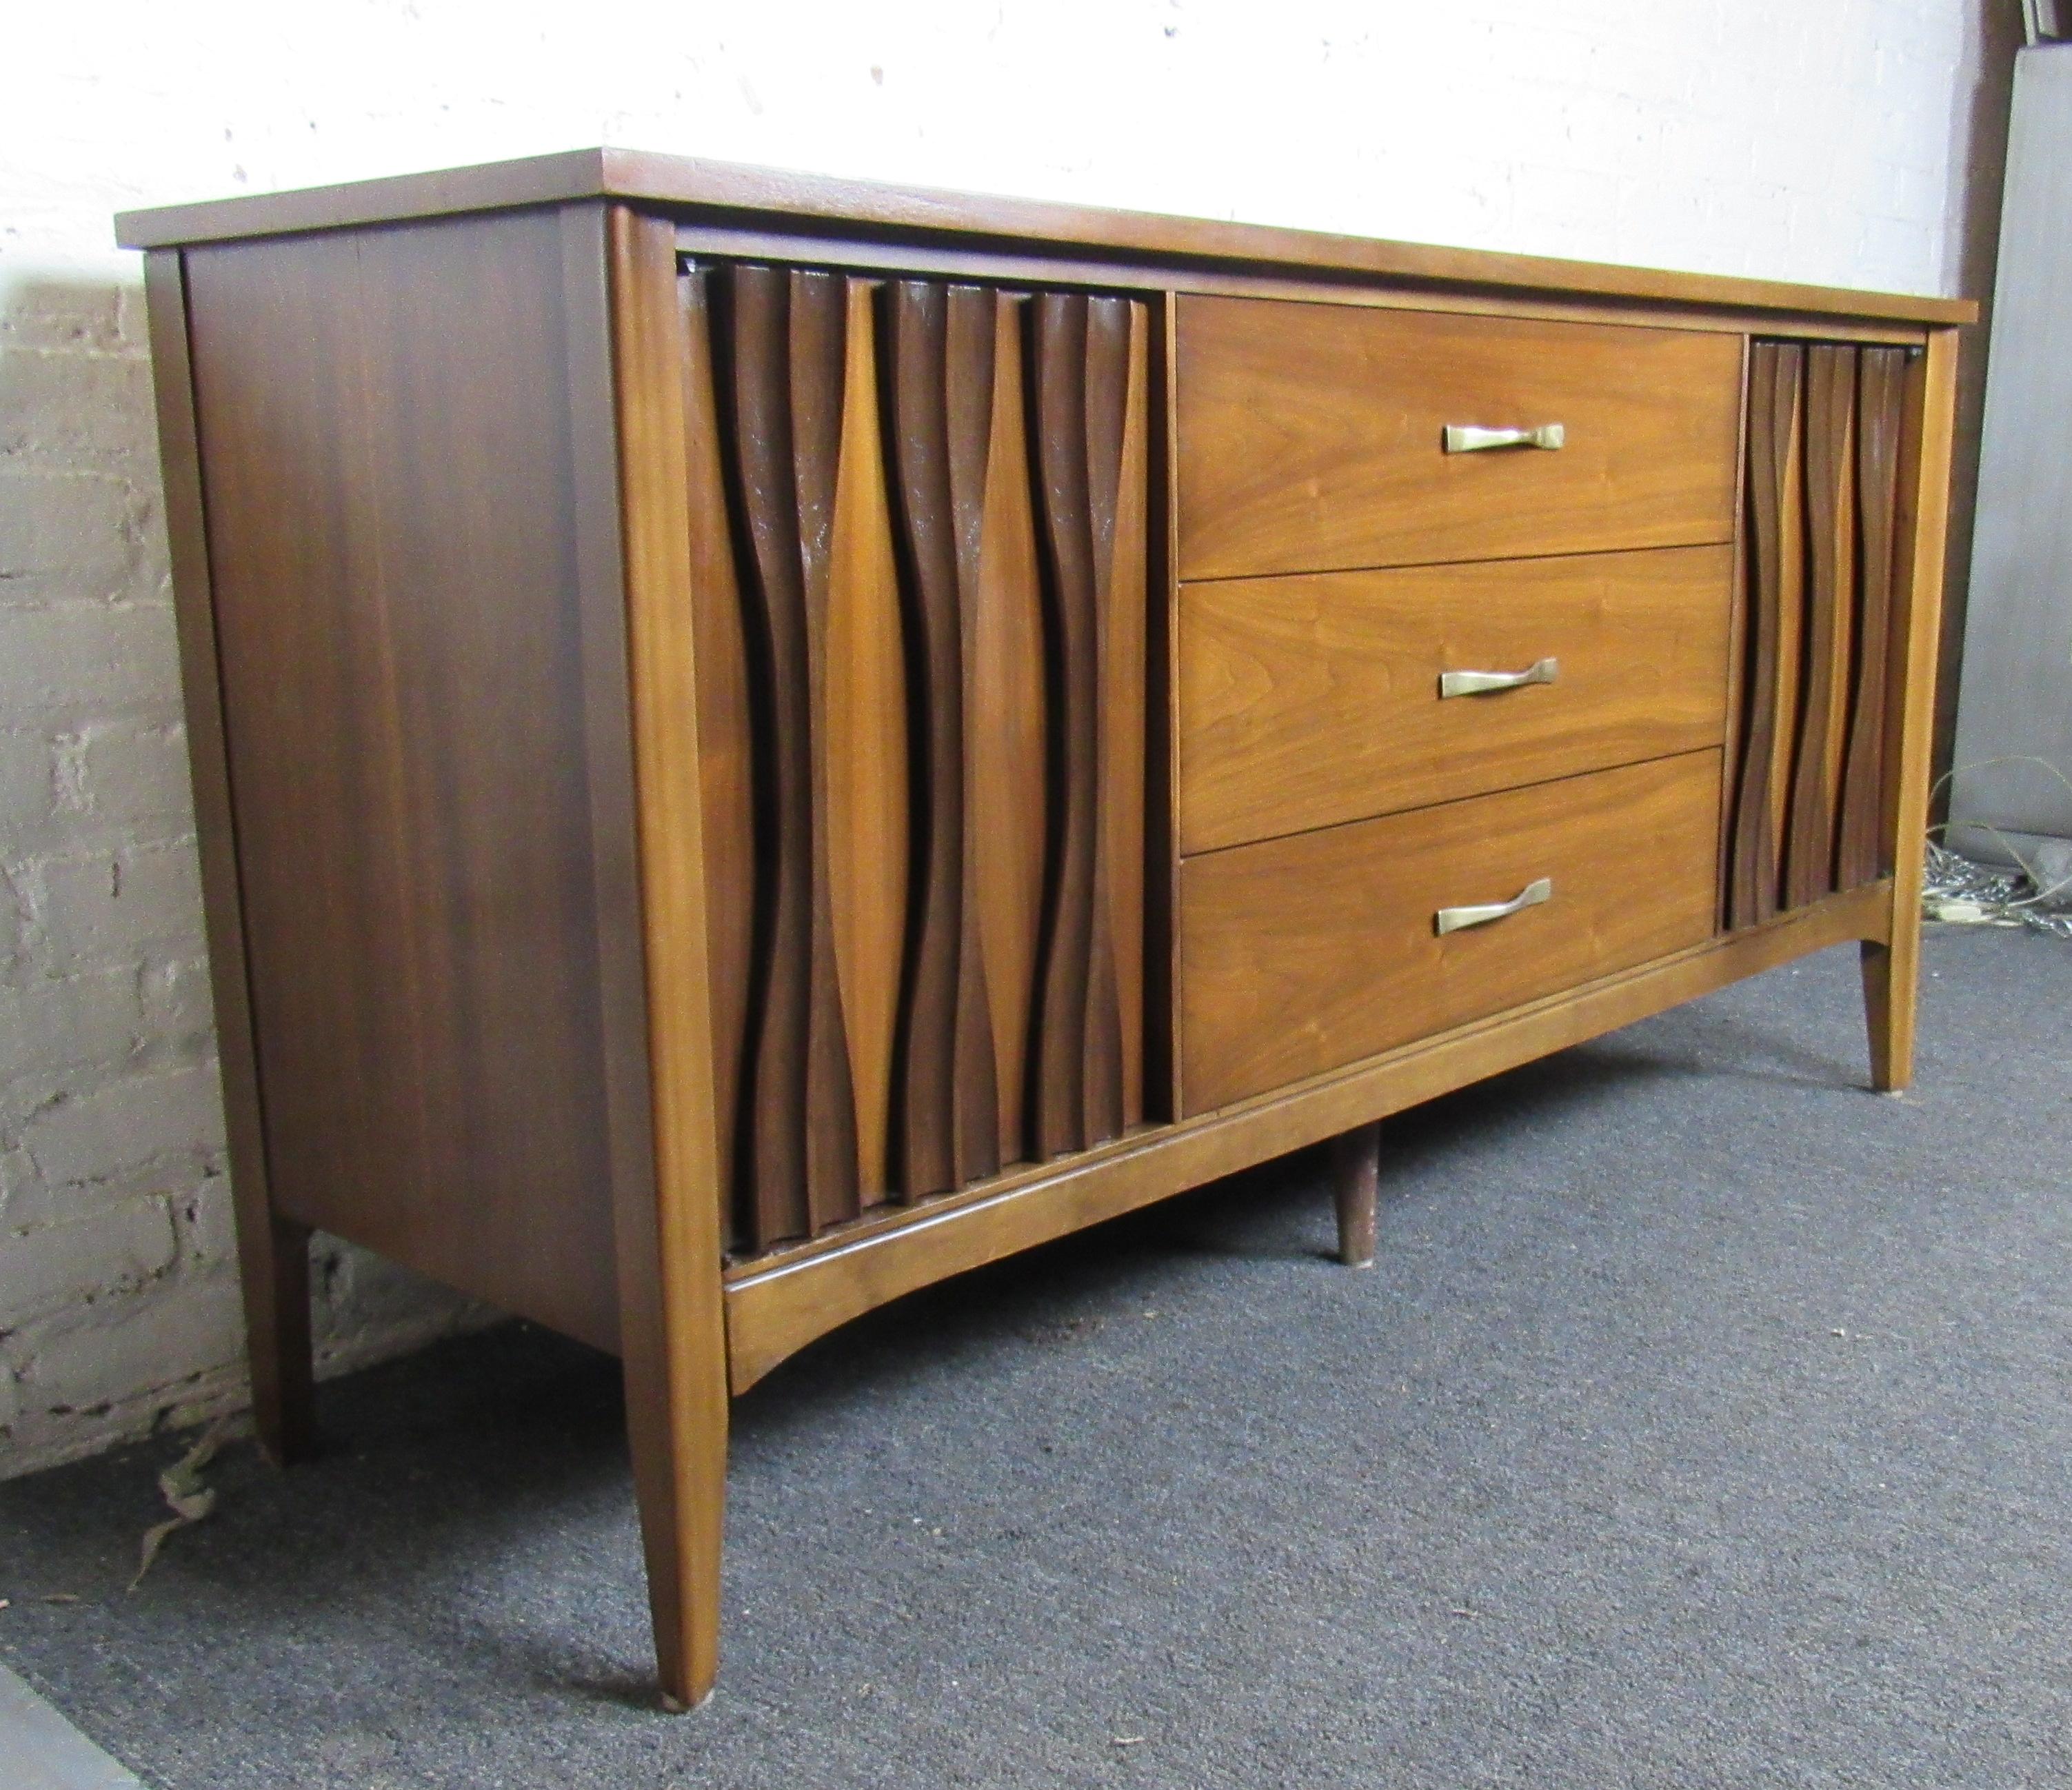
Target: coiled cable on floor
x,y
2035,893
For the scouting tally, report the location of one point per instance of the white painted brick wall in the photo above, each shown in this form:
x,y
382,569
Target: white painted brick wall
x,y
1806,139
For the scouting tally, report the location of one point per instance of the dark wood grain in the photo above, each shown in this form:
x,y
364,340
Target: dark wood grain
x,y
1090,375
867,752
1355,1192
1738,646
1009,782
1081,369
758,463
1160,1083
1132,808
1790,570
787,363
273,1273
1831,527
272,1250
1022,688
776,1308
1057,1090
1774,376
726,752
1881,393
557,649
628,348
1279,472
970,345
818,307
1892,968
1108,327
940,379
1308,701
1017,712
1302,955
387,463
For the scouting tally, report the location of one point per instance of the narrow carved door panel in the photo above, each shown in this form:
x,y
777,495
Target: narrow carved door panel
x,y
1819,536
940,374
1009,776
1086,353
867,753
921,592
1881,409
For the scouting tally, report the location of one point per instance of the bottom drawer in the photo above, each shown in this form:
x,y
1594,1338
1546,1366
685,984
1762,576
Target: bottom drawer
x,y
1302,954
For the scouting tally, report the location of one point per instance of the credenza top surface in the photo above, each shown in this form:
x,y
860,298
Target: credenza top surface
x,y
806,204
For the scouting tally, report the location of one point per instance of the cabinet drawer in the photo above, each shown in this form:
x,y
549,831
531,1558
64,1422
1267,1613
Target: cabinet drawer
x,y
1302,954
1307,701
1312,437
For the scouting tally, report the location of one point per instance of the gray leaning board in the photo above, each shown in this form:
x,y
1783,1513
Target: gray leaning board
x,y
2016,698
41,1751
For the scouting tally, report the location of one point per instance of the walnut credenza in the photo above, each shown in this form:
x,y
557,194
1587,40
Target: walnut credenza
x,y
760,742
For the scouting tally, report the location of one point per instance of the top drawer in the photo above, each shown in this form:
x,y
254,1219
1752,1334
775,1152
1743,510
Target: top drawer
x,y
1311,437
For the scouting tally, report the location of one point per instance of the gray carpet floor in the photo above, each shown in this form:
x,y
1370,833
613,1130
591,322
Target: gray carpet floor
x,y
1705,1422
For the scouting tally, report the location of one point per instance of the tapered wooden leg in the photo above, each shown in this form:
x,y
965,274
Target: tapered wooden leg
x,y
667,1187
676,1422
272,1252
273,1265
1892,972
1355,1177
1891,977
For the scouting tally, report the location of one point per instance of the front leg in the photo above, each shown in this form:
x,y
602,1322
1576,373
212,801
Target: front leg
x,y
274,1265
1355,1179
1891,979
676,1425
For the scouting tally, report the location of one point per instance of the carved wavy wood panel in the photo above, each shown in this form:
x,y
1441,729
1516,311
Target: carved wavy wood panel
x,y
867,752
1082,377
1821,486
784,376
1126,606
1774,371
1830,533
720,628
941,341
1008,775
1880,412
921,605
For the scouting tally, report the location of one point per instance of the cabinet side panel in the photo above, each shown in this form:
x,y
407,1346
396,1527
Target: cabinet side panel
x,y
384,419
272,1258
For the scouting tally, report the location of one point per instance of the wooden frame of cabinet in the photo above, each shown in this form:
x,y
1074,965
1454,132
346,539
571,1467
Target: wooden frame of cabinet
x,y
440,505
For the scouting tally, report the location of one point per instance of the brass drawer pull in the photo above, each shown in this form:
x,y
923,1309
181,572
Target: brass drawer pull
x,y
1455,919
1480,683
1467,439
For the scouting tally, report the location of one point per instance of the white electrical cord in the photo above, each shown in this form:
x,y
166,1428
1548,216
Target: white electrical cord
x,y
1959,890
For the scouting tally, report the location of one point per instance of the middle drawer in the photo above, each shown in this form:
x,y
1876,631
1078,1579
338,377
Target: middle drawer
x,y
1300,955
1306,700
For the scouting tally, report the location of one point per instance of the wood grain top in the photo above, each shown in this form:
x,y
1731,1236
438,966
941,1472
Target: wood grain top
x,y
807,204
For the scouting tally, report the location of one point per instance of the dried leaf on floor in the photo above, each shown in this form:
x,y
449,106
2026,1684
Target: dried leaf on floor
x,y
188,1499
